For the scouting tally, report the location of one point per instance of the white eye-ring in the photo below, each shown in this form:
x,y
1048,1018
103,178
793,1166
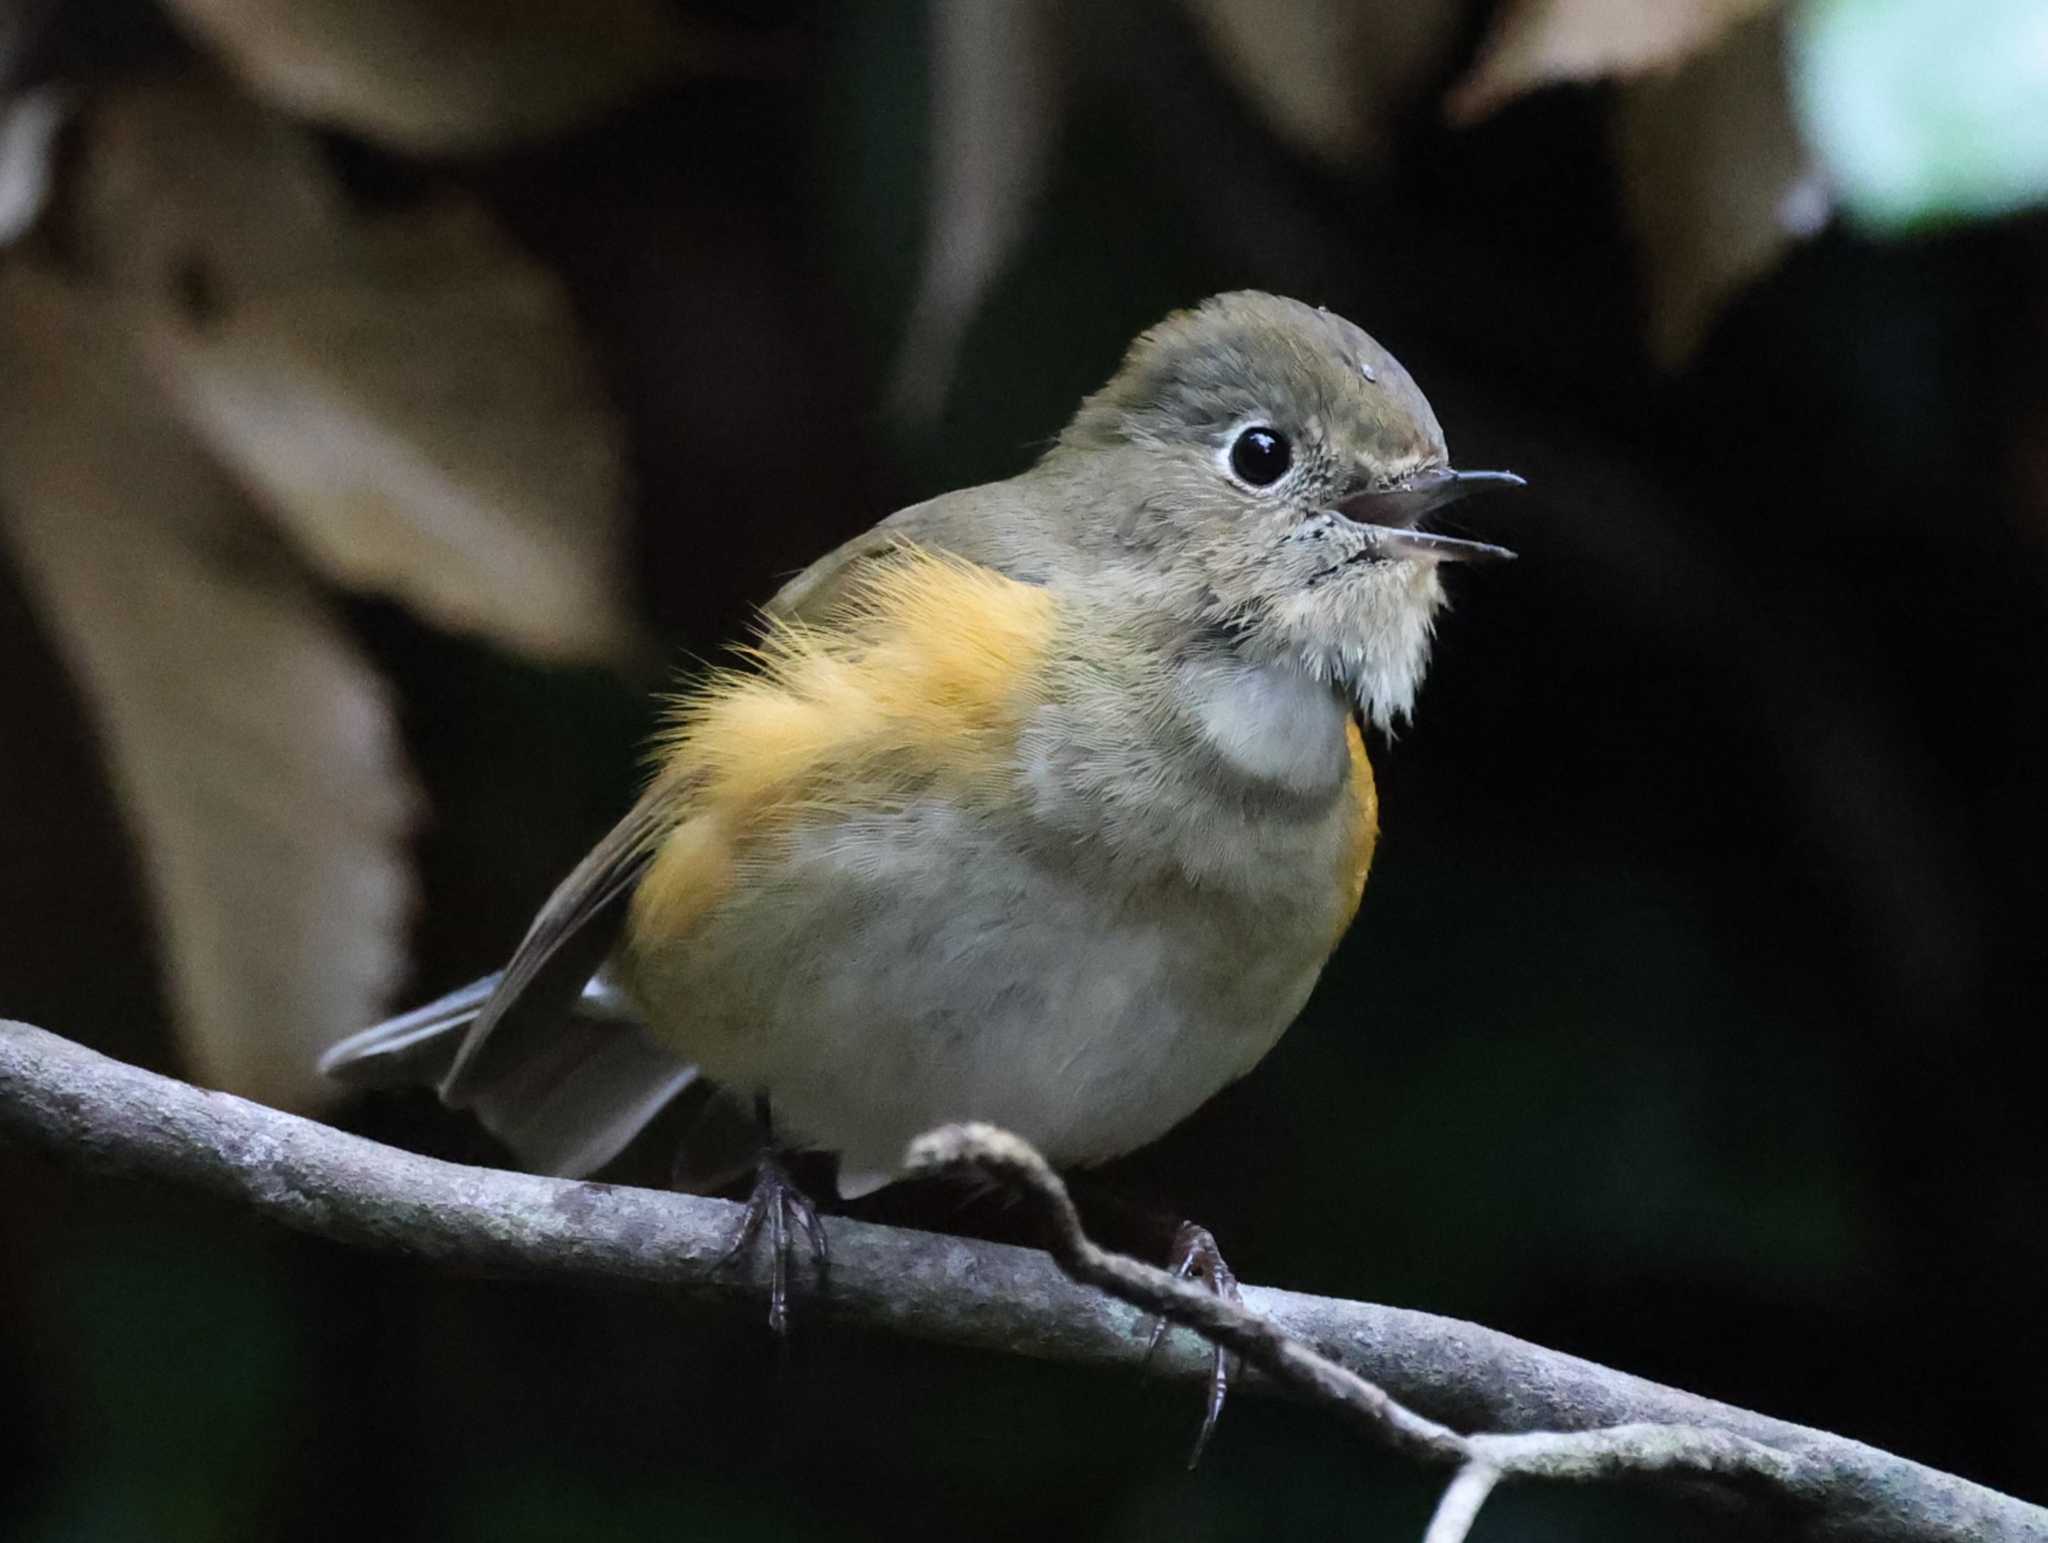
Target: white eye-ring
x,y
1260,455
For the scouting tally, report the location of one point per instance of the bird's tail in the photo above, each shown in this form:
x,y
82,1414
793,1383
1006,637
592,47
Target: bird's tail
x,y
412,1048
565,1095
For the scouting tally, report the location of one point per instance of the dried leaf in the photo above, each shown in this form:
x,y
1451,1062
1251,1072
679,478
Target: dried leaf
x,y
998,92
408,394
253,751
1540,42
28,138
449,75
1717,181
1332,76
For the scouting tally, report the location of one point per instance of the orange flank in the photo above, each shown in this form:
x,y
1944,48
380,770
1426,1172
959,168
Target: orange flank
x,y
1365,831
921,677
691,872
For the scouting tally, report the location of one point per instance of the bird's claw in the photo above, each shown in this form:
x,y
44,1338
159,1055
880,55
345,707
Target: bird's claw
x,y
783,1210
1196,1256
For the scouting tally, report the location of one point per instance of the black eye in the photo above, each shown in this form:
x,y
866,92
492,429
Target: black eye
x,y
1261,457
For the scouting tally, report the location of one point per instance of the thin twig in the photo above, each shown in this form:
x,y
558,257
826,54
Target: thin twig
x,y
86,1109
1015,1163
1459,1508
1482,1460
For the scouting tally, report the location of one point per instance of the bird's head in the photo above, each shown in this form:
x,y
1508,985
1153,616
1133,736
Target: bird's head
x,y
1267,468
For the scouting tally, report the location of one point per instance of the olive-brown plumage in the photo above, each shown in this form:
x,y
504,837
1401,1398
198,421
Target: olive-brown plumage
x,y
1042,803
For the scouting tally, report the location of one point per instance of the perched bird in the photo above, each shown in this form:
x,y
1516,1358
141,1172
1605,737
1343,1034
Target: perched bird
x,y
1041,803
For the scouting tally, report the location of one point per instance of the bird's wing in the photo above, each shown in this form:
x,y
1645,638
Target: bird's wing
x,y
979,524
814,592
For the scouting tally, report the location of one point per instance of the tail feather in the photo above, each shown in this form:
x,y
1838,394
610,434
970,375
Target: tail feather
x,y
414,1047
565,1096
569,1106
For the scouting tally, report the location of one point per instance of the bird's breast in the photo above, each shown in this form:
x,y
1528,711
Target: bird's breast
x,y
878,975
1272,726
1243,785
1042,880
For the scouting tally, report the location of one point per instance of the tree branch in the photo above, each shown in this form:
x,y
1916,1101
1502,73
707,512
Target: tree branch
x,y
1482,1460
1442,1375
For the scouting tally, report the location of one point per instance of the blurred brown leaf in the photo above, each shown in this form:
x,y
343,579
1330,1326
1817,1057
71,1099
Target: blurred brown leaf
x,y
1717,181
28,136
1536,43
408,394
1332,76
451,75
253,751
998,93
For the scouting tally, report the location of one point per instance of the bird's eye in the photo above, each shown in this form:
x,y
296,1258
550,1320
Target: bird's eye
x,y
1261,456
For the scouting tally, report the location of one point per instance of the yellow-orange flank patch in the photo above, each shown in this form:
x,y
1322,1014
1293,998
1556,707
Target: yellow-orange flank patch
x,y
1365,830
921,677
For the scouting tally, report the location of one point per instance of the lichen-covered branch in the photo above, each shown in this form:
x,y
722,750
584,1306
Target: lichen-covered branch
x,y
1445,1376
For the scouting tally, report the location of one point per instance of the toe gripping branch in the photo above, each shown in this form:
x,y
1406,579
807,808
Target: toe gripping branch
x,y
1196,1256
779,1206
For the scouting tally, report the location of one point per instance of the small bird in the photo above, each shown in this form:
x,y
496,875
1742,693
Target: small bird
x,y
1041,803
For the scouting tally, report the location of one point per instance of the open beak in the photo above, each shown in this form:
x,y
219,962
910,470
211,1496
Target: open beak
x,y
1391,515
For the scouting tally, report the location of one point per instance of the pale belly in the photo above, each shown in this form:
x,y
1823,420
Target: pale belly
x,y
897,972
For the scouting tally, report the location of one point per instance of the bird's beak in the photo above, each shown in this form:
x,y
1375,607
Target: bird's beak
x,y
1392,513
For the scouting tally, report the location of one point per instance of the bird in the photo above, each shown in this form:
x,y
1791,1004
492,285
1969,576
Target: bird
x,y
1041,803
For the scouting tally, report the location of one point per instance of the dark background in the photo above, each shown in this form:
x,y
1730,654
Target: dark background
x,y
1690,1021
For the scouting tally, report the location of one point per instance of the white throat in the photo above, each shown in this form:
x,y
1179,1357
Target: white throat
x,y
1274,723
1374,640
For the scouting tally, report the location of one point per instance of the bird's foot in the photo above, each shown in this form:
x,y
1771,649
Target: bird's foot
x,y
781,1209
1196,1256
